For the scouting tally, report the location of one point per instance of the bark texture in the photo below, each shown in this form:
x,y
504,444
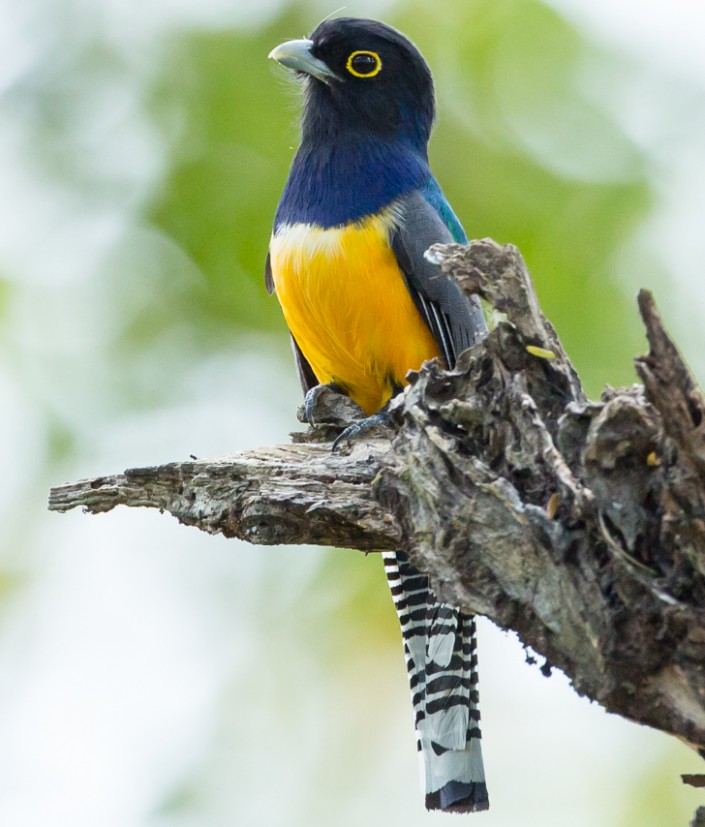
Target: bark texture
x,y
578,524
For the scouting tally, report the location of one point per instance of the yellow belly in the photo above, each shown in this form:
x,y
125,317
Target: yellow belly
x,y
348,307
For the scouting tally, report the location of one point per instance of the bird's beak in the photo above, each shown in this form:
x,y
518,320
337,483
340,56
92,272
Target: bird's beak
x,y
296,55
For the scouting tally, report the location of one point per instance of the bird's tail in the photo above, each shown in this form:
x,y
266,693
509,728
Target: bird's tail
x,y
439,646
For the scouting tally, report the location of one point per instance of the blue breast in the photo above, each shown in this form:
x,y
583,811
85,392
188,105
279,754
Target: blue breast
x,y
333,184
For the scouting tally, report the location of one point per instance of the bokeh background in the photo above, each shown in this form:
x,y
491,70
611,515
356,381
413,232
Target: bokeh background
x,y
154,677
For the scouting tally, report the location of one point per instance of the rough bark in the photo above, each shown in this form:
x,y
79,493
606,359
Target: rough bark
x,y
578,524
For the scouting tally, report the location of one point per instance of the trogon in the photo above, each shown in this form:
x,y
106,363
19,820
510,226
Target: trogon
x,y
364,306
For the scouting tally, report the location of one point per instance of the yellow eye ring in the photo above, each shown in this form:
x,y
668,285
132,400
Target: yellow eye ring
x,y
375,70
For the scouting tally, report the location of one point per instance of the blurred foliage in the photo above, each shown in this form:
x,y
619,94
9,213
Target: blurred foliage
x,y
231,133
154,173
659,798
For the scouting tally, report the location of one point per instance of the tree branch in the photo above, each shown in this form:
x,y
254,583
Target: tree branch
x,y
287,494
580,525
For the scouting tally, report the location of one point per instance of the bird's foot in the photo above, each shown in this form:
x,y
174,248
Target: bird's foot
x,y
362,426
332,414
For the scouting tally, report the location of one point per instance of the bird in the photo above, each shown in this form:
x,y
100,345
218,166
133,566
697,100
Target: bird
x,y
364,306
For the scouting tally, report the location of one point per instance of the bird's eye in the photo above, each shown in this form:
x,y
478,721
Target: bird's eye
x,y
364,64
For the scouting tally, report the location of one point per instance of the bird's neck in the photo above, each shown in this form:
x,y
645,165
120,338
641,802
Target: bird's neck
x,y
335,181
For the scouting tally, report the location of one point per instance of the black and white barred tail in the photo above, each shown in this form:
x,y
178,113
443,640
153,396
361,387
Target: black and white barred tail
x,y
439,646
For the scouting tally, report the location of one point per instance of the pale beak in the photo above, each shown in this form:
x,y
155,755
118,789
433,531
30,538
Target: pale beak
x,y
296,55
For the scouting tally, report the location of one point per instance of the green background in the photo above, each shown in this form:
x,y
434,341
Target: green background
x,y
153,676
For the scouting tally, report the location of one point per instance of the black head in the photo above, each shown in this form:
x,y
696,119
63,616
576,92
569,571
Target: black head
x,y
362,76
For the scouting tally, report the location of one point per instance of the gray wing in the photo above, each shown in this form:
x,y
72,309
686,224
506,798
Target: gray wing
x,y
455,321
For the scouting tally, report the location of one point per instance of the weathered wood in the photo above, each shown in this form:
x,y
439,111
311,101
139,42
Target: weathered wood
x,y
580,525
284,494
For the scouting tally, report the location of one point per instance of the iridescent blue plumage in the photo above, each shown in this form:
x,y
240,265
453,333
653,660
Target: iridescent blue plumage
x,y
376,171
432,193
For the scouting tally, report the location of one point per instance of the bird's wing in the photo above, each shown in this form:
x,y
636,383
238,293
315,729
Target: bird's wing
x,y
268,277
307,377
455,321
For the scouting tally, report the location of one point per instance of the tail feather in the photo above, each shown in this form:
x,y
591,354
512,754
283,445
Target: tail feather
x,y
439,646
447,683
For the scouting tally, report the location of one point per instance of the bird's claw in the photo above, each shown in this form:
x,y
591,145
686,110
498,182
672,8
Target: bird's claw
x,y
369,423
312,402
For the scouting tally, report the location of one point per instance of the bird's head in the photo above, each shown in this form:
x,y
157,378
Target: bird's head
x,y
363,77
